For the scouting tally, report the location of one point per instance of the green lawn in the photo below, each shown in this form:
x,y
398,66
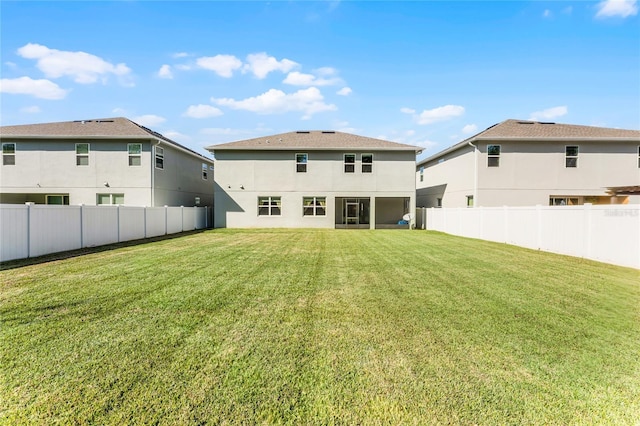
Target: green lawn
x,y
320,327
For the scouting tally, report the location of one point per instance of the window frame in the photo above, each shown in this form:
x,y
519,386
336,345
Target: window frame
x,y
351,165
301,166
134,155
80,156
9,158
205,171
317,204
112,198
273,205
493,160
421,173
571,159
363,164
158,156
470,201
64,199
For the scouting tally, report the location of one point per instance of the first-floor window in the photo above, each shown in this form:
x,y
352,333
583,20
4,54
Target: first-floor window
x,y
349,163
564,201
106,199
82,154
135,154
269,206
8,154
58,199
469,200
314,206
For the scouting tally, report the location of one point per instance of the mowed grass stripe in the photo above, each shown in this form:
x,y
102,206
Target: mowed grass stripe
x,y
317,327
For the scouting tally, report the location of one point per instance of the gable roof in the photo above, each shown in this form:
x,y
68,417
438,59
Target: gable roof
x,y
536,131
101,128
315,140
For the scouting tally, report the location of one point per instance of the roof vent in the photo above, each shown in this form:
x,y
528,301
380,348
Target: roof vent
x,y
83,121
546,122
302,131
525,122
104,121
328,131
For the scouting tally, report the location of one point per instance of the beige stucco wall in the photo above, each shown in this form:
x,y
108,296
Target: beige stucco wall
x,y
49,168
451,179
243,176
531,172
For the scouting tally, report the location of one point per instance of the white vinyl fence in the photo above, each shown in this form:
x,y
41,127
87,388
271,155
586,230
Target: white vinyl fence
x,y
606,233
34,230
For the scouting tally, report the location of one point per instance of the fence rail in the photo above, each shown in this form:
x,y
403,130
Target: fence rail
x,y
32,230
606,233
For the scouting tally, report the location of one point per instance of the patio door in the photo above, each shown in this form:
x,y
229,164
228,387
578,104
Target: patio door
x,y
355,211
351,214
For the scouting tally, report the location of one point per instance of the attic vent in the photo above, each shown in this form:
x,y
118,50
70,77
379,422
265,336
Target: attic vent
x,y
329,132
302,131
525,122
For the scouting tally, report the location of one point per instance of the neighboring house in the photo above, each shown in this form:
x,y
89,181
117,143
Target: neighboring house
x,y
314,179
104,161
524,163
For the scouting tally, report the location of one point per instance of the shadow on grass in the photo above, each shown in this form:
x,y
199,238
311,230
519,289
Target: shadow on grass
x,y
19,263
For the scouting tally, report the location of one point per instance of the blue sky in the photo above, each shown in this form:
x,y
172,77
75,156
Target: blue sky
x,y
428,73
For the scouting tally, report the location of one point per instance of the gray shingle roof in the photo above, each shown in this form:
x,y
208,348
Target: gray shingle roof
x,y
313,140
104,128
525,130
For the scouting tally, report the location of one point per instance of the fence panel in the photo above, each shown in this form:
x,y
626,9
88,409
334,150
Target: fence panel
x,y
607,233
14,228
36,230
54,229
156,221
131,223
99,225
174,220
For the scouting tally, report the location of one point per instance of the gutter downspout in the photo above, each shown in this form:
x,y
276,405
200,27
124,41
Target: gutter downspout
x,y
475,174
153,172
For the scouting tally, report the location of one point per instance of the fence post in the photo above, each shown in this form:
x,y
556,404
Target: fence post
x,y
539,226
144,220
29,205
118,221
181,218
505,209
81,225
166,220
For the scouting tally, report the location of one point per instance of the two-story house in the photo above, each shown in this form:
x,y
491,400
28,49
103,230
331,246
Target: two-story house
x,y
314,179
525,163
101,161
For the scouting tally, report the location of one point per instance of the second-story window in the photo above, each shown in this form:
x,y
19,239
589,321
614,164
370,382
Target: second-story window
x,y
205,171
82,154
8,154
422,174
493,155
367,163
571,156
135,154
159,157
301,163
349,163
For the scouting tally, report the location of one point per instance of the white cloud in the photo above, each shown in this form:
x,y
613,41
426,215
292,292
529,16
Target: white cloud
x,y
345,91
223,65
410,132
549,113
469,129
546,13
165,72
429,116
180,55
309,101
149,120
119,111
82,67
260,64
176,136
222,131
202,111
425,143
183,67
296,78
621,8
31,109
43,89
326,71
